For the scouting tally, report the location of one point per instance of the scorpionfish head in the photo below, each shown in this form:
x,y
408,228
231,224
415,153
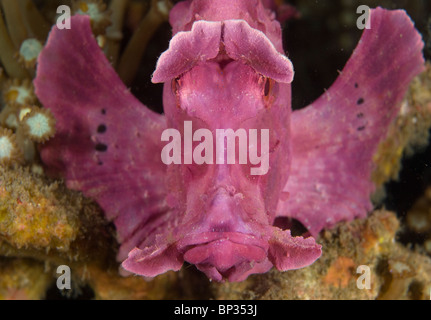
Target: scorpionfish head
x,y
227,104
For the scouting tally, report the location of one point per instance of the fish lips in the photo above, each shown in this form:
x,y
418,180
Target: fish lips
x,y
231,256
228,256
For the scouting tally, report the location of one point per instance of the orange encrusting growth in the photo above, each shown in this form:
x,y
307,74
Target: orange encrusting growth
x,y
340,272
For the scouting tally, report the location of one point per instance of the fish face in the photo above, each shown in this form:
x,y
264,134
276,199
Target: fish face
x,y
227,94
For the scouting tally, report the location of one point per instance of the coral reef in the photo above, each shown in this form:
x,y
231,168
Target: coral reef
x,y
409,131
43,222
41,218
418,224
23,279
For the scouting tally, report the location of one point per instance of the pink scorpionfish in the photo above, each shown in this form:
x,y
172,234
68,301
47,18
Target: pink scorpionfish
x,y
225,69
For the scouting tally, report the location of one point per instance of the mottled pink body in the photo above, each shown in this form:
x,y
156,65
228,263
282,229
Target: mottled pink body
x,y
225,68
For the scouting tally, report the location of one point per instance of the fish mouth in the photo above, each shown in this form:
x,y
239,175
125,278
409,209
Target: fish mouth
x,y
224,256
226,245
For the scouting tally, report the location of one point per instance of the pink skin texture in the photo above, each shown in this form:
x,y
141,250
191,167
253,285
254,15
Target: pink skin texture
x,y
225,68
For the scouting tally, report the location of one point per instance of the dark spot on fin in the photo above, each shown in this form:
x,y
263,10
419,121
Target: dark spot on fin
x,y
360,101
361,128
101,147
103,111
101,128
360,115
356,85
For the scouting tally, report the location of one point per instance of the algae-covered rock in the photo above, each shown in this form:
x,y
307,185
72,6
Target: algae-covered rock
x,y
109,285
44,219
44,225
408,132
23,279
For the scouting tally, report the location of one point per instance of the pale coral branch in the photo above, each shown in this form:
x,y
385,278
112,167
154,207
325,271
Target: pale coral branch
x,y
134,51
7,53
15,22
114,33
35,23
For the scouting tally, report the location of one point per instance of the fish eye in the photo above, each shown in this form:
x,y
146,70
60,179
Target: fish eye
x,y
267,87
269,91
175,85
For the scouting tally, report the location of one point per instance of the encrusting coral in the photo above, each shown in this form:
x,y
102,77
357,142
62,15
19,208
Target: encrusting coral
x,y
418,221
409,131
400,273
23,279
43,222
38,215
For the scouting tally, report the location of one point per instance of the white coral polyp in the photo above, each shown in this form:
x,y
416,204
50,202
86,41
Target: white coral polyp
x,y
6,148
39,125
12,121
30,49
24,95
93,10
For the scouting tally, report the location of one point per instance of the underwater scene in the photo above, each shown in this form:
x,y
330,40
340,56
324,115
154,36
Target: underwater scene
x,y
215,150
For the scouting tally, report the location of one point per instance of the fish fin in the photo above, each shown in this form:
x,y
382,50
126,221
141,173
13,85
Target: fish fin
x,y
334,139
107,143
